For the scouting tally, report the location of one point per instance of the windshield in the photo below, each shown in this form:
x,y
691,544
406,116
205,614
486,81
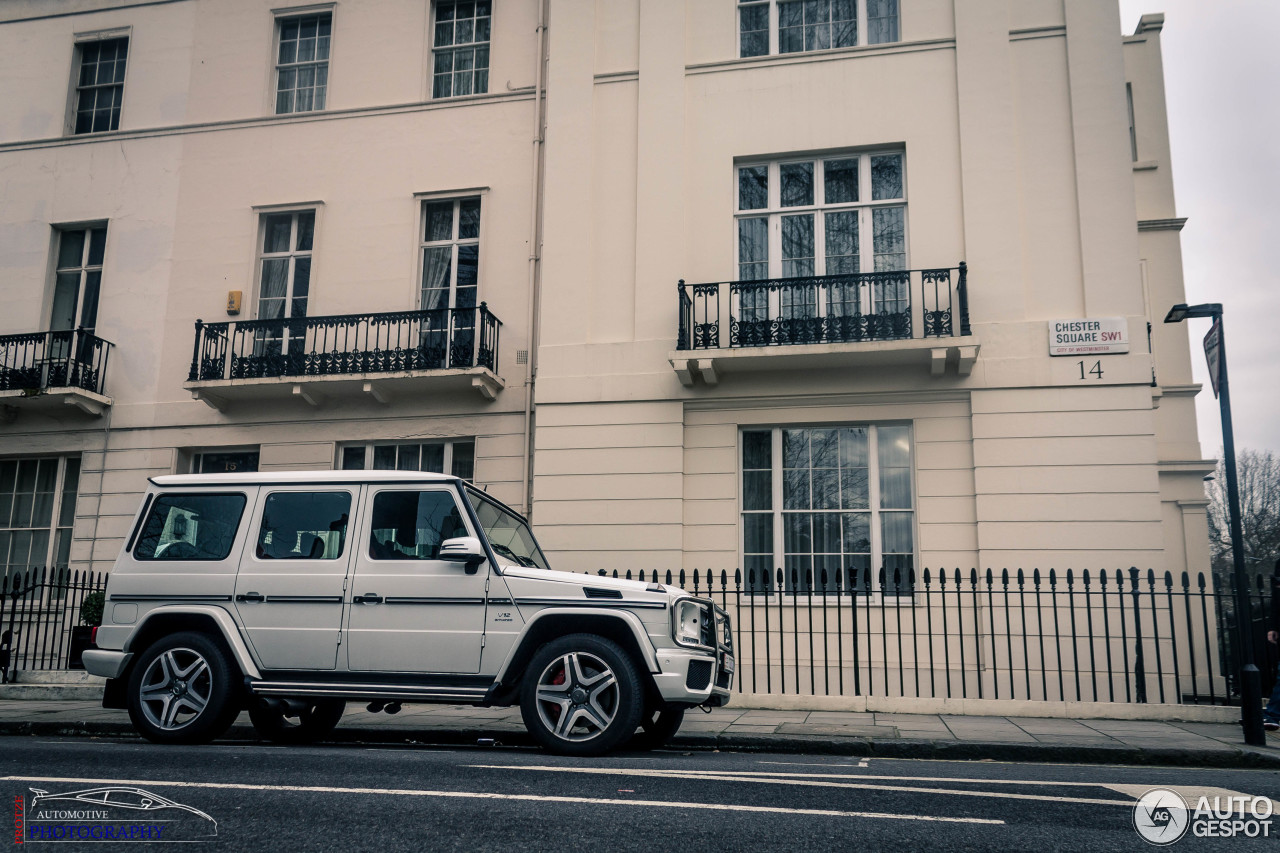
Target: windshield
x,y
508,533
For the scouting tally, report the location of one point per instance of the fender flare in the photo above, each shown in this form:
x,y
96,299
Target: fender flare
x,y
226,626
628,618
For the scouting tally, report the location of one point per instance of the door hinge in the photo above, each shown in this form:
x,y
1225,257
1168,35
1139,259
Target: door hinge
x,y
339,638
482,641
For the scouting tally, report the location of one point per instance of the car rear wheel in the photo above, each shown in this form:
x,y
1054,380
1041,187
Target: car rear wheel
x,y
581,695
295,722
182,690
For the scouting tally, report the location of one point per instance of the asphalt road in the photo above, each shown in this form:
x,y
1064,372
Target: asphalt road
x,y
352,797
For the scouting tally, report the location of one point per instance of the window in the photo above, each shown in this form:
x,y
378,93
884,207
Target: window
x,y
302,62
225,462
412,525
457,457
807,217
828,499
796,26
461,56
450,253
304,525
284,278
37,510
78,278
100,85
190,527
508,534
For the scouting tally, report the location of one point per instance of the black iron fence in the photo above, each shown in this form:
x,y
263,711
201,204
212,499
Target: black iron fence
x,y
874,306
38,361
41,620
346,344
1094,636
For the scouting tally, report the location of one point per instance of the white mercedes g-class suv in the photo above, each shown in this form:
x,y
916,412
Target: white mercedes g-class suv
x,y
289,594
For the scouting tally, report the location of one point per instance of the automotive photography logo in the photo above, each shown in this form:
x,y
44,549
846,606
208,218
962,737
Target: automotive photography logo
x,y
1163,817
111,813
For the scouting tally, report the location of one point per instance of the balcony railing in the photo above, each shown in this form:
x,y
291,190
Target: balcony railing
x,y
830,309
347,344
38,361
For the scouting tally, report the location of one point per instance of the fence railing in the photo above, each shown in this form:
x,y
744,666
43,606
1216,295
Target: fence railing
x,y
346,344
1093,636
850,308
38,361
40,615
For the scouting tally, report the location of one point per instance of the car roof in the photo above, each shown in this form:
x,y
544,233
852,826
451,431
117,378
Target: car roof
x,y
278,478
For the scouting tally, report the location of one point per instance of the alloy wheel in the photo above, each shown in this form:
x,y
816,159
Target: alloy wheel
x,y
175,688
577,696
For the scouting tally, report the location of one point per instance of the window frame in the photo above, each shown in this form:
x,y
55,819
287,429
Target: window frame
x,y
453,48
54,528
864,207
454,242
773,22
279,18
83,271
75,89
447,456
874,594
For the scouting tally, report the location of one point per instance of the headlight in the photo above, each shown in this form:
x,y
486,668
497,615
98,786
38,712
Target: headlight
x,y
688,628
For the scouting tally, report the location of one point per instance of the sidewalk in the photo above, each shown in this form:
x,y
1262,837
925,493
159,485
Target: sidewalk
x,y
923,736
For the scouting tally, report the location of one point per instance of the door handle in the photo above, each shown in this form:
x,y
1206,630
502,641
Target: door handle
x,y
367,598
251,596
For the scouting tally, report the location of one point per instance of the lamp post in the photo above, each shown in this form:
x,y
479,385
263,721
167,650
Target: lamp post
x,y
1250,678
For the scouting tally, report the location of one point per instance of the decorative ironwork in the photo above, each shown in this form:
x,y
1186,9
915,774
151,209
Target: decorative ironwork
x,y
38,361
391,342
852,308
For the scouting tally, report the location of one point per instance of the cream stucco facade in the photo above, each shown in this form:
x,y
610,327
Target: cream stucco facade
x,y
606,175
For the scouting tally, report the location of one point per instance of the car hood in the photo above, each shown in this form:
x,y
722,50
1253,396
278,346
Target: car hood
x,y
580,581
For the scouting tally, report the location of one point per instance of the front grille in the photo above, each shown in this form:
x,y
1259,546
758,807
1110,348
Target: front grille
x,y
708,626
699,675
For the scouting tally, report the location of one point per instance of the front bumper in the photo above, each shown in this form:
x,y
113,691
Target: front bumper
x,y
105,662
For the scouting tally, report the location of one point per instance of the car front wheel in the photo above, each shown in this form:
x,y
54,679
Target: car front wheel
x,y
181,690
581,695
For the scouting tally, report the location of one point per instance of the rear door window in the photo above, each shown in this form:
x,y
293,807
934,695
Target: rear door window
x,y
190,527
304,526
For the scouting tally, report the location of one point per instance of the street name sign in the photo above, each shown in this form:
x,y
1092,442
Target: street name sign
x,y
1098,336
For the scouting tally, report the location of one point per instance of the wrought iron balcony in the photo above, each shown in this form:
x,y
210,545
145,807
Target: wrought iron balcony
x,y
875,306
822,321
70,364
347,346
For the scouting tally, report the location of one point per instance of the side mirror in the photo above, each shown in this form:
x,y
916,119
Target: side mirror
x,y
464,549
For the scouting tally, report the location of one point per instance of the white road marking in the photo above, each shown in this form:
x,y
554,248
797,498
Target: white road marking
x,y
1191,793
862,763
484,795
788,779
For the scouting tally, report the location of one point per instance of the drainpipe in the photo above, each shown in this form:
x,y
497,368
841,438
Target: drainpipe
x,y
535,257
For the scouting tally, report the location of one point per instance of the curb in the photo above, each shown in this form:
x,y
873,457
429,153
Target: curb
x,y
854,747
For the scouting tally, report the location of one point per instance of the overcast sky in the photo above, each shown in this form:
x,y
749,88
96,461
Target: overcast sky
x,y
1222,83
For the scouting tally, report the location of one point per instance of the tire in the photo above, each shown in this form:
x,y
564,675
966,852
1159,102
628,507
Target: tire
x,y
657,726
309,724
570,704
183,690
